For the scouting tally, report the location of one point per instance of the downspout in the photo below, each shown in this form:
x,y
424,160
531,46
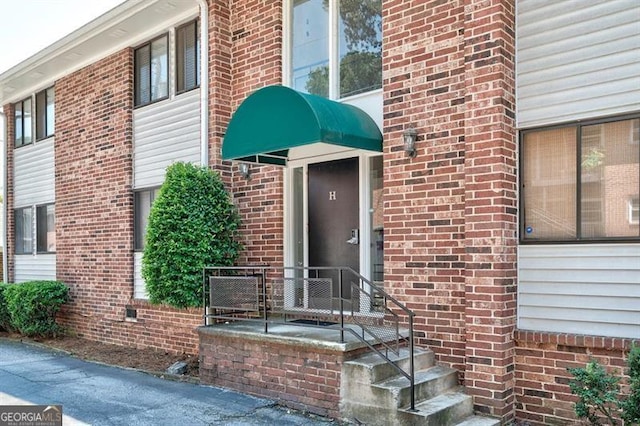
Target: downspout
x,y
3,218
204,102
204,82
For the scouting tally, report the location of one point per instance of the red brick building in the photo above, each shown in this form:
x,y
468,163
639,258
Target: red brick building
x,y
512,230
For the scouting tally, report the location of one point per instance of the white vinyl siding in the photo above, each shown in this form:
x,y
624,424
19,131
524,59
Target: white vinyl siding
x,y
34,174
164,133
34,184
139,290
576,60
30,268
589,289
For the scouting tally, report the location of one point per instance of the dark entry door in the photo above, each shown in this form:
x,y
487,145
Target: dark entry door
x,y
333,221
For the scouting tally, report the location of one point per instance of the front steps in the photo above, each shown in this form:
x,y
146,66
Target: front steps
x,y
373,393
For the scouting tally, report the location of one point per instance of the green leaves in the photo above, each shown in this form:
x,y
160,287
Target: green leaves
x,y
192,224
33,305
631,406
5,317
599,392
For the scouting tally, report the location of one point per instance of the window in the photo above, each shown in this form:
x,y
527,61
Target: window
x,y
356,65
152,71
45,229
23,126
24,230
45,113
188,57
577,182
142,207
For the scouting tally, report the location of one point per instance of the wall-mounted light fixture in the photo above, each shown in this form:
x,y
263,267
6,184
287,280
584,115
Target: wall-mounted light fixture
x,y
245,171
409,137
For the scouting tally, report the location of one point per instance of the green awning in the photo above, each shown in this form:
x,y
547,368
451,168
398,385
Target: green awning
x,y
276,118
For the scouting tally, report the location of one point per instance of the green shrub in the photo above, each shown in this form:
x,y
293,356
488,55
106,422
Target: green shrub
x,y
5,318
631,406
599,392
192,224
33,306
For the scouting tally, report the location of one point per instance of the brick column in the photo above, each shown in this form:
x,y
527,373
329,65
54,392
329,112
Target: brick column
x,y
220,90
256,62
423,87
490,205
8,169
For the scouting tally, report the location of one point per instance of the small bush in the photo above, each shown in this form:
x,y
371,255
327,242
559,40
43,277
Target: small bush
x,y
631,406
599,392
5,318
33,306
192,224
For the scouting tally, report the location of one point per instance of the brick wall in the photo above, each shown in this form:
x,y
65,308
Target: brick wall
x,y
257,62
94,213
423,70
94,203
299,375
542,380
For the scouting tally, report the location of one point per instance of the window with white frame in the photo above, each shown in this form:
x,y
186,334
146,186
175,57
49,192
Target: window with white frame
x,y
23,133
335,46
143,200
581,182
45,113
187,57
152,71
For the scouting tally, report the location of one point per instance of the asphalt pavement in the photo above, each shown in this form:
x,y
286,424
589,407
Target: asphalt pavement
x,y
97,394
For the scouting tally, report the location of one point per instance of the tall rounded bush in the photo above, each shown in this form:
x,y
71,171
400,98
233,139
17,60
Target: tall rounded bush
x,y
192,224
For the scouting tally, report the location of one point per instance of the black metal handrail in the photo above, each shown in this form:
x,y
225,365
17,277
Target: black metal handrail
x,y
312,296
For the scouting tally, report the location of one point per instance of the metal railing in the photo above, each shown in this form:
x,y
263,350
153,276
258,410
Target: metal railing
x,y
338,298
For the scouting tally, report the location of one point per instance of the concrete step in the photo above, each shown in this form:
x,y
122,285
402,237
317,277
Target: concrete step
x,y
446,409
396,391
371,368
479,421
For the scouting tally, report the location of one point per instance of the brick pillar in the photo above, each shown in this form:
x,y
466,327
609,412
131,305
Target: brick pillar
x,y
256,52
490,205
220,90
8,169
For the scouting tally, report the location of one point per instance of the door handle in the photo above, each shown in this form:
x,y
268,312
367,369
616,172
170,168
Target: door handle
x,y
355,237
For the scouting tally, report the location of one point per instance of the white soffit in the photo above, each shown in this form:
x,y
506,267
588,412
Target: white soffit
x,y
126,25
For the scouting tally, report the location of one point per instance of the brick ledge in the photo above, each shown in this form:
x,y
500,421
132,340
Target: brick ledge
x,y
579,340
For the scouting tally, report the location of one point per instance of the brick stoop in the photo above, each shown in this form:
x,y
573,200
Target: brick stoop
x,y
373,393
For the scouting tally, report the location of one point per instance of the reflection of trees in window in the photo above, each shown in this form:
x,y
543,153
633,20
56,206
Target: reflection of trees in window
x,y
360,50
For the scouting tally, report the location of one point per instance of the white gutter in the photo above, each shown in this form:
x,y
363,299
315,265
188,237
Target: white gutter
x,y
204,83
3,214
